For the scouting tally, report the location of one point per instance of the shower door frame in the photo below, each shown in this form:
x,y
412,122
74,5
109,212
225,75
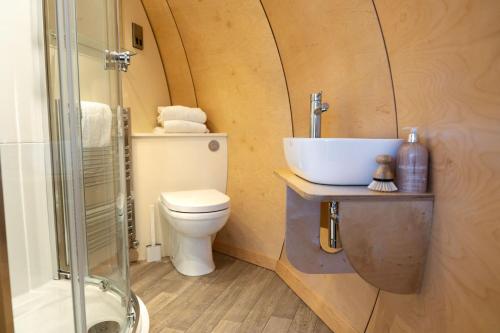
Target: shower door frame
x,y
67,143
71,154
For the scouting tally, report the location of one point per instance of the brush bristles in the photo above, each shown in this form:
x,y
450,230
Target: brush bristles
x,y
382,186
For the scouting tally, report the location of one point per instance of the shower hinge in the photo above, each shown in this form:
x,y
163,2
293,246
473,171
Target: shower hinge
x,y
64,275
104,285
132,315
117,60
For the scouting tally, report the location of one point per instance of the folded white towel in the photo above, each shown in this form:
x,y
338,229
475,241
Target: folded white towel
x,y
96,124
182,126
159,130
179,112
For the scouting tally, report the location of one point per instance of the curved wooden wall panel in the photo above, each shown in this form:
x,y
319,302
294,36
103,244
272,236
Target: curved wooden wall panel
x,y
335,46
172,53
343,301
239,82
445,58
144,86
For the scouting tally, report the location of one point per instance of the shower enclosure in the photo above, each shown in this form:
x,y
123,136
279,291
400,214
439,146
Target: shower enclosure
x,y
81,283
90,202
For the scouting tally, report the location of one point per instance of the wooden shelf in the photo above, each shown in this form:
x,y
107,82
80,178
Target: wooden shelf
x,y
385,236
318,192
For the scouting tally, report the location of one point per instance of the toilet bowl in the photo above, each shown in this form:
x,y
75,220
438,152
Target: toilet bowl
x,y
194,217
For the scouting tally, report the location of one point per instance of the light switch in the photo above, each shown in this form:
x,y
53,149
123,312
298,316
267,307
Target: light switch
x,y
137,41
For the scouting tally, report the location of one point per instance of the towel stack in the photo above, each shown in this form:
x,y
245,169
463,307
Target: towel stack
x,y
96,124
181,119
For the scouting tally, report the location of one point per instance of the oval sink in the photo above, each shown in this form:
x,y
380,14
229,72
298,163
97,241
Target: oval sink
x,y
333,161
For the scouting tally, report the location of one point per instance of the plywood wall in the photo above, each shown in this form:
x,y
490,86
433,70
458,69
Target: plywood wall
x,y
239,82
343,301
174,60
445,70
144,85
240,71
445,57
335,46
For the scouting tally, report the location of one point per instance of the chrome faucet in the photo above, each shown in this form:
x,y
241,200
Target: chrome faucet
x,y
317,108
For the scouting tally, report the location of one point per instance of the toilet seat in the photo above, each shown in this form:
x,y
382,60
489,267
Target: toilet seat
x,y
195,201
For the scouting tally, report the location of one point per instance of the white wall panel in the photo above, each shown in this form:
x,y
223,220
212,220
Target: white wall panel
x,y
14,217
26,212
22,77
23,144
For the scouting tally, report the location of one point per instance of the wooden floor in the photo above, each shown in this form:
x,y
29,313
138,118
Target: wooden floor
x,y
237,297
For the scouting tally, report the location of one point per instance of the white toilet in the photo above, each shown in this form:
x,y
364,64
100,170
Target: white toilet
x,y
194,206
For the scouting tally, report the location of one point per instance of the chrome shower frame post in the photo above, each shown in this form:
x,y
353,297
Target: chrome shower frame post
x,y
72,154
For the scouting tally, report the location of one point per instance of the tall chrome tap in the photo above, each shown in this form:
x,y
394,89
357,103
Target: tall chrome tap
x,y
317,108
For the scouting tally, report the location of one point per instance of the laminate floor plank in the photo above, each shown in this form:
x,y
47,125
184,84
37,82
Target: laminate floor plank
x,y
138,269
288,305
304,320
277,325
249,296
147,279
213,315
237,297
202,302
226,326
170,330
247,299
321,327
185,309
265,306
173,284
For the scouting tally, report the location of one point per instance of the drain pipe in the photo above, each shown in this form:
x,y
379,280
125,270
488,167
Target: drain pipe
x,y
333,226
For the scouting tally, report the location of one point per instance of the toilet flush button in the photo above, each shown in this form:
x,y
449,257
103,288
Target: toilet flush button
x,y
213,145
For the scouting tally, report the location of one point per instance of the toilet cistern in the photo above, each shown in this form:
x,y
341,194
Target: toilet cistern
x,y
317,108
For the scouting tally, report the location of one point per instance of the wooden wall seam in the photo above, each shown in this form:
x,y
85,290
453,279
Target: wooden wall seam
x,y
396,120
388,67
144,85
335,46
175,65
282,68
185,52
240,83
444,57
158,47
371,313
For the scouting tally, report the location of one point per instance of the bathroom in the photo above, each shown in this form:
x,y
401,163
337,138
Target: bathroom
x,y
88,240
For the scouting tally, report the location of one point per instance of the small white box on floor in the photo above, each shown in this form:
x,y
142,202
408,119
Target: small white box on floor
x,y
153,252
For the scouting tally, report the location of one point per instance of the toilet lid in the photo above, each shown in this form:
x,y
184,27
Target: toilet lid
x,y
197,201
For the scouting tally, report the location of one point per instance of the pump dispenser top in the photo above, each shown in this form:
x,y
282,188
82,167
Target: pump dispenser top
x,y
413,136
412,164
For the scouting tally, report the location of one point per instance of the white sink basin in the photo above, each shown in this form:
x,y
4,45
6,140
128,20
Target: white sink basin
x,y
334,161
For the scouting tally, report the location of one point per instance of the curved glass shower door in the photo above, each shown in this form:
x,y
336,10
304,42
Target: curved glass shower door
x,y
86,124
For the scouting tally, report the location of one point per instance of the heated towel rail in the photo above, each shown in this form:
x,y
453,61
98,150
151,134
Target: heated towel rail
x,y
100,177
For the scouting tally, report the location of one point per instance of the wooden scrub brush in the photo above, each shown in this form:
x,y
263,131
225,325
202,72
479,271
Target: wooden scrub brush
x,y
383,177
